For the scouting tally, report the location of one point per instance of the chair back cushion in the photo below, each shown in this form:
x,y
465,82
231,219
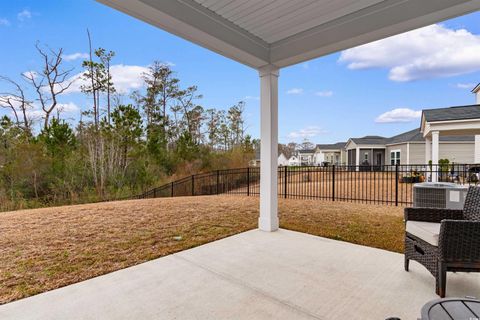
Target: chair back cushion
x,y
471,208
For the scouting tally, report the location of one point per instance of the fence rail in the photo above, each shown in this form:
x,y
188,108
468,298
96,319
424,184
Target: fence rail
x,y
386,184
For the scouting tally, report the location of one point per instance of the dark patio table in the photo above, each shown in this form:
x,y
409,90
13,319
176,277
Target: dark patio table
x,y
452,309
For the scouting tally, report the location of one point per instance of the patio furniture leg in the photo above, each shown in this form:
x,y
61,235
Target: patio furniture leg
x,y
407,263
441,281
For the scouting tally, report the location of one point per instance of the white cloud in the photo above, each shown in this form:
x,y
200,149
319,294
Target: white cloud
x,y
429,52
4,22
326,93
468,86
125,78
24,15
12,99
33,111
295,91
75,56
68,107
252,98
308,132
30,74
399,115
35,114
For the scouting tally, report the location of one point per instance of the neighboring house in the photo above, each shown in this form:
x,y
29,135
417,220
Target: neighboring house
x,y
331,154
306,157
452,124
293,161
282,160
368,150
406,148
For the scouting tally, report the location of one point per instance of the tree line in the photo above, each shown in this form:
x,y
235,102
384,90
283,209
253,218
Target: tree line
x,y
120,145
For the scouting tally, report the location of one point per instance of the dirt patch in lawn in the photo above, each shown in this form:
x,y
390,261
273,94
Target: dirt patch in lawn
x,y
43,249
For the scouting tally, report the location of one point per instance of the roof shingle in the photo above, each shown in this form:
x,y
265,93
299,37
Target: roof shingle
x,y
452,113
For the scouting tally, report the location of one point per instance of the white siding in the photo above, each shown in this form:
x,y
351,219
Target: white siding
x,y
417,153
455,152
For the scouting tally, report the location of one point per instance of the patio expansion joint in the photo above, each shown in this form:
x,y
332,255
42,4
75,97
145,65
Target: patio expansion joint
x,y
243,284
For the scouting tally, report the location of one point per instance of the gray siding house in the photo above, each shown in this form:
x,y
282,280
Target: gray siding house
x,y
407,148
368,150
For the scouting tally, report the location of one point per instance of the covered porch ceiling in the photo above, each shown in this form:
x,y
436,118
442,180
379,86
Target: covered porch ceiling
x,y
283,32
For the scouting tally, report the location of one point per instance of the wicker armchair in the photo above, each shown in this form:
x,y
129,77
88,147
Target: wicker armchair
x,y
445,240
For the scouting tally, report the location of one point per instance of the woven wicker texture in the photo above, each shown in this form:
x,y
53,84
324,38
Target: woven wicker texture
x,y
458,244
471,208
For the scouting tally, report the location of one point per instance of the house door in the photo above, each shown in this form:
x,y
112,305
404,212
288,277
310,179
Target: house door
x,y
378,159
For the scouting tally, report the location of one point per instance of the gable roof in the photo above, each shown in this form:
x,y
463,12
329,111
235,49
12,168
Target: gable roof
x,y
415,135
476,89
452,113
409,136
370,140
331,146
306,151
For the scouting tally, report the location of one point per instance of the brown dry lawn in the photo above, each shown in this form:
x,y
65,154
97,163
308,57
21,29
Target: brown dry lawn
x,y
43,249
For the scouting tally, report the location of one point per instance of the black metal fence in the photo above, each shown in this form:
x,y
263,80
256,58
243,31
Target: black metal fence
x,y
387,184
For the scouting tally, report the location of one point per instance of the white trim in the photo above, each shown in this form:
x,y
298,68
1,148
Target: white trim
x,y
350,141
408,153
452,127
190,20
435,153
477,149
369,146
422,142
395,151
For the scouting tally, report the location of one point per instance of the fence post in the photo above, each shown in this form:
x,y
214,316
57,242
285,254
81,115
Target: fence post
x,y
285,182
154,192
248,181
218,182
171,189
396,184
193,184
333,183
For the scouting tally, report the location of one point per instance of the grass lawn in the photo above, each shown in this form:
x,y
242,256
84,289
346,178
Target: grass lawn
x,y
43,249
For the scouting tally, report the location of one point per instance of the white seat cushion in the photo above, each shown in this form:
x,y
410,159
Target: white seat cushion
x,y
427,231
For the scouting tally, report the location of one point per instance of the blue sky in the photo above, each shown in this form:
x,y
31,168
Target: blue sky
x,y
325,100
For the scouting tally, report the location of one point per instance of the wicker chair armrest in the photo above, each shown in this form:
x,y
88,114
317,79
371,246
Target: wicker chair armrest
x,y
432,214
459,241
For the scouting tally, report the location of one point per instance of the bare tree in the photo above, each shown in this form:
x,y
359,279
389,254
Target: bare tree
x,y
18,104
106,59
51,82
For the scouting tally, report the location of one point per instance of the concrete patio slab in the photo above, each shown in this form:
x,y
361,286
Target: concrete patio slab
x,y
253,275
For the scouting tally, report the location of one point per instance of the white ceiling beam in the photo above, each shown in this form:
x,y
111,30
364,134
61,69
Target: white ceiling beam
x,y
372,23
193,22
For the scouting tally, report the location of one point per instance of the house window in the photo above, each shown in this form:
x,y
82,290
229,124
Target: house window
x,y
366,156
395,157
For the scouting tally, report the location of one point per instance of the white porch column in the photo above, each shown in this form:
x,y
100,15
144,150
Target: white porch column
x,y
268,220
357,159
435,152
428,149
428,154
477,149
